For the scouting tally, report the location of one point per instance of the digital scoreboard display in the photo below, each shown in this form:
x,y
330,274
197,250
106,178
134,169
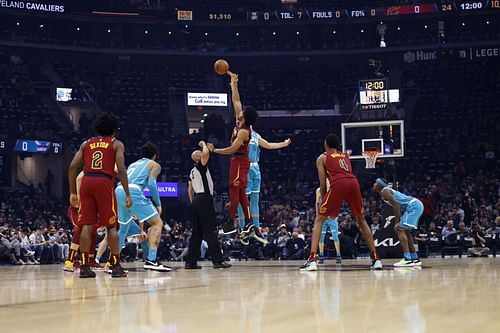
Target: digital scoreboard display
x,y
373,94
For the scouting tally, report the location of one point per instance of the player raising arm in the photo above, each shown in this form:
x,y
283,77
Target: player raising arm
x,y
240,164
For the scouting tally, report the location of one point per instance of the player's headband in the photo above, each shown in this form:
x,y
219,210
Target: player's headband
x,y
381,182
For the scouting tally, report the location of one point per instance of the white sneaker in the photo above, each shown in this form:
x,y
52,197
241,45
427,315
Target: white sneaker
x,y
29,253
404,263
309,266
377,265
417,262
156,266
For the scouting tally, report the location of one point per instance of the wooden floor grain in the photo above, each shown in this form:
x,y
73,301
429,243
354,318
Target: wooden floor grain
x,y
447,295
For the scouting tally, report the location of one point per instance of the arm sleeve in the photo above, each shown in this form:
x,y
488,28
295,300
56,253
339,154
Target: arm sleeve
x,y
153,189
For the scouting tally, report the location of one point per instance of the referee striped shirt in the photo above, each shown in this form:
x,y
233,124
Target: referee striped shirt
x,y
201,179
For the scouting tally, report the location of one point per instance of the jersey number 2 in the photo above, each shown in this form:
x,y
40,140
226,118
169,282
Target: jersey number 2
x,y
343,164
97,160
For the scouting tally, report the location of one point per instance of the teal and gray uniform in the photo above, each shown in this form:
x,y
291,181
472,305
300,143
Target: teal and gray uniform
x,y
411,207
142,208
253,187
330,222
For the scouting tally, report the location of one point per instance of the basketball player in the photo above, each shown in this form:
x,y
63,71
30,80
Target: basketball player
x,y
142,174
331,223
344,186
253,187
412,209
240,164
69,264
99,155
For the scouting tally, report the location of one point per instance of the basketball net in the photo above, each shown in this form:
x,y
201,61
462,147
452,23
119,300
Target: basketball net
x,y
370,158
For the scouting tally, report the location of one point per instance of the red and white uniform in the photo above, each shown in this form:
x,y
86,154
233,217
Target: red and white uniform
x,y
97,191
240,163
344,186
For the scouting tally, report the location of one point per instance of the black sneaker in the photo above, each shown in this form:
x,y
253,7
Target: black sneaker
x,y
188,266
338,261
156,266
247,230
86,272
222,264
228,228
117,271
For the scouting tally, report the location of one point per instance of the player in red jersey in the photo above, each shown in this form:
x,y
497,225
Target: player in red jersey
x,y
336,166
99,155
70,264
240,164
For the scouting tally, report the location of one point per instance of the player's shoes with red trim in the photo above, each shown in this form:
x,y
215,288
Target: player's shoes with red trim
x,y
309,266
96,266
86,272
117,271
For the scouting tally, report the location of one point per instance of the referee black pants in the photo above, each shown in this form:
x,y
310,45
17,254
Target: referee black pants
x,y
204,227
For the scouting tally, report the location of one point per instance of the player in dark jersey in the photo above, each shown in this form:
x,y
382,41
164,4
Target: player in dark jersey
x,y
240,164
98,155
336,166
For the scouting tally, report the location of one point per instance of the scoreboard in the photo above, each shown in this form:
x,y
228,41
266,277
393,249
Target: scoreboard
x,y
326,14
30,146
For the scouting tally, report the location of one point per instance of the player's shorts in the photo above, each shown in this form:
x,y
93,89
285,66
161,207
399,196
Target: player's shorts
x,y
334,229
253,185
97,201
414,210
343,189
73,216
238,171
142,207
332,224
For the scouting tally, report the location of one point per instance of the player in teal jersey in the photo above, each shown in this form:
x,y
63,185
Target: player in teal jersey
x,y
332,224
141,174
412,209
254,179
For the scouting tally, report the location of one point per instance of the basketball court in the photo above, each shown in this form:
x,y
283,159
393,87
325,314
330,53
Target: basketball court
x,y
256,297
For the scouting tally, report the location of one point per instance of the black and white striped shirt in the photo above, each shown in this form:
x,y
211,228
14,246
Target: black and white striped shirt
x,y
201,179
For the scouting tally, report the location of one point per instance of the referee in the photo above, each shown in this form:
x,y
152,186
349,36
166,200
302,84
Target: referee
x,y
201,189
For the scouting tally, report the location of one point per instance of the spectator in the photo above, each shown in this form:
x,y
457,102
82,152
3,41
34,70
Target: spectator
x,y
422,239
282,242
296,247
478,248
449,229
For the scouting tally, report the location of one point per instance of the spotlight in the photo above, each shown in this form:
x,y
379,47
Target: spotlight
x,y
362,30
237,34
463,24
202,121
298,33
78,29
109,30
206,33
274,33
146,32
399,28
170,32
40,26
17,23
425,26
205,115
334,32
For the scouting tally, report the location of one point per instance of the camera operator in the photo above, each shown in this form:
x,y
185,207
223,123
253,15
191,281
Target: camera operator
x,y
478,248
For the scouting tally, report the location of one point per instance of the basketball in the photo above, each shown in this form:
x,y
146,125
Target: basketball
x,y
221,66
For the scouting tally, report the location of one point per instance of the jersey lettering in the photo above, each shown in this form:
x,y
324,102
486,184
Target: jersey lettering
x,y
343,164
97,160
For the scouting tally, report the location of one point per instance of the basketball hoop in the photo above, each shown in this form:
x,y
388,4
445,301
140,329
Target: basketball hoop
x,y
370,158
